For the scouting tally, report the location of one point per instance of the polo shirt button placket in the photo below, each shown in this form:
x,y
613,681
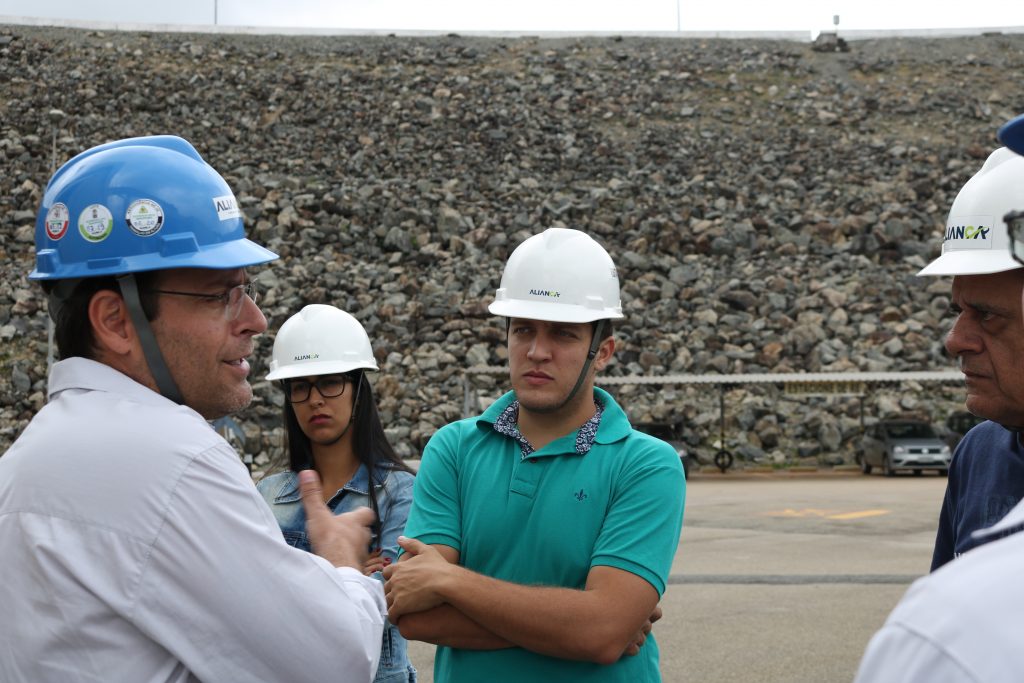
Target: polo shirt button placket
x,y
525,480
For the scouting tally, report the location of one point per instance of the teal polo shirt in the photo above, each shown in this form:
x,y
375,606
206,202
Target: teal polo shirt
x,y
546,520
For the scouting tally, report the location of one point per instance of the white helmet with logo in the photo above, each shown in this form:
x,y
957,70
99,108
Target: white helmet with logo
x,y
560,275
976,241
320,340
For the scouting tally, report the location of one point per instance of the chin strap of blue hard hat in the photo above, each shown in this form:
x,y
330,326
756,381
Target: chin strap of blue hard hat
x,y
157,366
59,293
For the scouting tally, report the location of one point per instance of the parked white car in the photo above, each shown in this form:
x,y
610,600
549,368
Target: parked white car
x,y
895,445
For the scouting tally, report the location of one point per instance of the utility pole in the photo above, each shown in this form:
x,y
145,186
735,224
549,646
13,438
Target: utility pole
x,y
214,12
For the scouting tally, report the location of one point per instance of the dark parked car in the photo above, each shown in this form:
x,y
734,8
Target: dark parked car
x,y
896,445
673,434
958,424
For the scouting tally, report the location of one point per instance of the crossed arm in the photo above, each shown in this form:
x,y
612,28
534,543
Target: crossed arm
x,y
430,597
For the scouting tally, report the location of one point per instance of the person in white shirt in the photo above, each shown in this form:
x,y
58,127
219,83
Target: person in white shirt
x,y
135,546
965,621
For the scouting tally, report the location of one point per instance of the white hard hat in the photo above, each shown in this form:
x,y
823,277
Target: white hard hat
x,y
559,275
320,340
975,241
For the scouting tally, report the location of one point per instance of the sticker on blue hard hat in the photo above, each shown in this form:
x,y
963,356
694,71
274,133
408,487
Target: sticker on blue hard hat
x,y
227,207
57,219
144,217
95,223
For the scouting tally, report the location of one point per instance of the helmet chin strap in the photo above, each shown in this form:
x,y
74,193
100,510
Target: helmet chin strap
x,y
154,359
61,292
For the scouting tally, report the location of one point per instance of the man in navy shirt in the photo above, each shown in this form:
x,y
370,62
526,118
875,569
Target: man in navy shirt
x,y
963,623
986,477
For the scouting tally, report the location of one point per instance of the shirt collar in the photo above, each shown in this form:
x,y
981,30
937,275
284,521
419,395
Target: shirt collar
x,y
359,483
507,424
1012,523
89,375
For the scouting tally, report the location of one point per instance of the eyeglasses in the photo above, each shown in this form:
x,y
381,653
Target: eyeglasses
x,y
1015,227
231,299
329,386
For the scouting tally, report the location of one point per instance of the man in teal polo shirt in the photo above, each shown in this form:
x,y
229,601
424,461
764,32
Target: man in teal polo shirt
x,y
542,532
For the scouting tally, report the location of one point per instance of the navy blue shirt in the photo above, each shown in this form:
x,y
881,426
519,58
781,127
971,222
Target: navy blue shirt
x,y
986,479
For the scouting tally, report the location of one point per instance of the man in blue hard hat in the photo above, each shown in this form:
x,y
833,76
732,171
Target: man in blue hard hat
x,y
135,546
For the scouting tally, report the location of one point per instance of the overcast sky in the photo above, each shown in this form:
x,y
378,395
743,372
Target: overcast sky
x,y
540,15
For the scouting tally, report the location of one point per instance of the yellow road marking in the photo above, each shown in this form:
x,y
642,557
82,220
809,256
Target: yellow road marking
x,y
860,514
806,512
827,514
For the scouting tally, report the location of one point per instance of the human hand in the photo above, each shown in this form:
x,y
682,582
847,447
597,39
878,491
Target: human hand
x,y
641,636
413,583
376,562
341,539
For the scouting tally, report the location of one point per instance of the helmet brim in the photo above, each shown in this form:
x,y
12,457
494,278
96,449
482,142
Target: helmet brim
x,y
314,368
226,256
970,262
553,312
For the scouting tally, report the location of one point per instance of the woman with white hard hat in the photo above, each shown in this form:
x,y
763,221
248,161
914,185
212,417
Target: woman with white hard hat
x,y
320,357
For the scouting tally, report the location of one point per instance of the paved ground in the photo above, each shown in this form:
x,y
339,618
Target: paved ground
x,y
785,577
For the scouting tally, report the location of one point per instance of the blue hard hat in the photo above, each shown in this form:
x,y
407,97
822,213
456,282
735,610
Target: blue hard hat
x,y
140,204
1012,134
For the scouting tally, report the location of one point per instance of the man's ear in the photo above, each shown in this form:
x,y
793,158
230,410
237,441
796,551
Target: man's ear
x,y
604,353
112,328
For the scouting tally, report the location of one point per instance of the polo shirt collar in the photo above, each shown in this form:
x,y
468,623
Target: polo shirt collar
x,y
507,424
614,424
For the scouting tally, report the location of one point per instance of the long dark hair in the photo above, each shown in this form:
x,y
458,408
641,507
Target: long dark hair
x,y
369,441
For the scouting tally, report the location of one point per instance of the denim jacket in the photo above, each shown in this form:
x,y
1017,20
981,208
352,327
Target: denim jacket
x,y
394,497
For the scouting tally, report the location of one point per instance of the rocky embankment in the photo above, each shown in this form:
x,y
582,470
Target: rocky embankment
x,y
767,205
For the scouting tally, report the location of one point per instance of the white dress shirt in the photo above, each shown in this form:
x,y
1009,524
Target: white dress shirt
x,y
135,548
963,623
